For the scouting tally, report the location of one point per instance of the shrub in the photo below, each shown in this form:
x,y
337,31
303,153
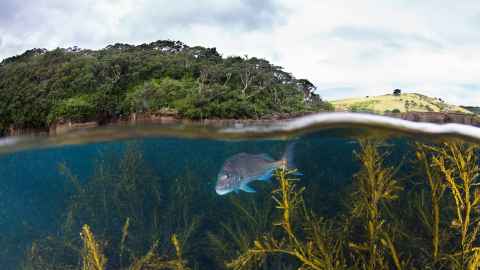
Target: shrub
x,y
76,109
156,94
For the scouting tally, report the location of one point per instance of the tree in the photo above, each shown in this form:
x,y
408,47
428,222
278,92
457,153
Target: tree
x,y
39,86
307,88
397,92
246,75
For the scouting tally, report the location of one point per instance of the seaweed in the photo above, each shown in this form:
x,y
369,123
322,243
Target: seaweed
x,y
152,260
250,217
94,259
437,188
375,187
92,253
457,165
361,239
51,253
395,217
124,203
320,249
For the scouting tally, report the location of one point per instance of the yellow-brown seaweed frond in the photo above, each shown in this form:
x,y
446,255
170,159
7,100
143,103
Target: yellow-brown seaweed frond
x,y
125,227
458,165
92,254
152,260
319,249
288,198
376,186
147,260
437,189
180,263
94,259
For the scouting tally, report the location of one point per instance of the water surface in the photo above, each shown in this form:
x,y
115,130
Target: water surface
x,y
138,186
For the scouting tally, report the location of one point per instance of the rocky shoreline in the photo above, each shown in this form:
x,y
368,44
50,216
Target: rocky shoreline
x,y
146,118
439,117
149,118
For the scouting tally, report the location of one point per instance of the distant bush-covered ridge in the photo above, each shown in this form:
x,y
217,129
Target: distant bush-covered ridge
x,y
41,87
473,109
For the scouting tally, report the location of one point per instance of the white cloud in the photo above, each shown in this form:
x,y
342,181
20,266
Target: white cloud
x,y
345,47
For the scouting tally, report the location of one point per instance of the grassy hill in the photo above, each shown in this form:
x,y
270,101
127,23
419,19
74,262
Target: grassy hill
x,y
397,103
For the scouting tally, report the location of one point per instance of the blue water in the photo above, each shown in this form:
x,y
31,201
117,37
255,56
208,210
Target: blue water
x,y
166,185
35,194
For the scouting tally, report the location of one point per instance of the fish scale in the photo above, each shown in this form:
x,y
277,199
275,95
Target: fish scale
x,y
241,169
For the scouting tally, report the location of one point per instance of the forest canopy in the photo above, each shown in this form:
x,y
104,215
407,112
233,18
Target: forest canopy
x,y
41,87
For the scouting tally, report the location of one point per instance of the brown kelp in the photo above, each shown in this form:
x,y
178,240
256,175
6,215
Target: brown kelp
x,y
92,253
125,204
372,234
421,214
454,167
431,216
249,218
375,186
318,250
94,259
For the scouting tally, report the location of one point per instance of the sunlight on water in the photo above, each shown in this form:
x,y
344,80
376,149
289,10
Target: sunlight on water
x,y
365,192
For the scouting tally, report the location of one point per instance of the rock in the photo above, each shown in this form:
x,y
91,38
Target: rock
x,y
439,117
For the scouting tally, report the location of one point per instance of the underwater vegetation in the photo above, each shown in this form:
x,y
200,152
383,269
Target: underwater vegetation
x,y
94,259
419,212
315,251
376,230
122,204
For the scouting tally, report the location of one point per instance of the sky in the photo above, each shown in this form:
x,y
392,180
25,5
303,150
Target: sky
x,y
346,48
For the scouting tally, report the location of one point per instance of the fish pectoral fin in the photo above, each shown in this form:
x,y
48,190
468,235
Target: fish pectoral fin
x,y
297,173
247,188
267,177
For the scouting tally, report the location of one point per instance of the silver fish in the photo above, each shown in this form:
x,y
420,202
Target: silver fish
x,y
241,169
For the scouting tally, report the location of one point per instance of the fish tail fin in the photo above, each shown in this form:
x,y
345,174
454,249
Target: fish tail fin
x,y
287,160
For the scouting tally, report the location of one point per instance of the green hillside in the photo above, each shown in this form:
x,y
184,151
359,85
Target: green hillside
x,y
397,103
41,87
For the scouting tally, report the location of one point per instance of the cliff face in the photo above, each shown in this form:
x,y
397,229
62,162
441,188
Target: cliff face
x,y
439,117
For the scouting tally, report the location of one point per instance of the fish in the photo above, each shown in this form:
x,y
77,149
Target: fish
x,y
241,169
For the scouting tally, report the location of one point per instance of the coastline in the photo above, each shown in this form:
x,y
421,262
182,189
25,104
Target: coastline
x,y
168,119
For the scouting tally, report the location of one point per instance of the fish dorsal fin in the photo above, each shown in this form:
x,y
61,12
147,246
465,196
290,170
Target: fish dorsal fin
x,y
235,158
244,156
245,187
266,157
